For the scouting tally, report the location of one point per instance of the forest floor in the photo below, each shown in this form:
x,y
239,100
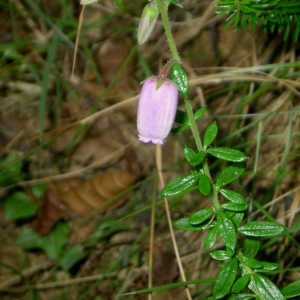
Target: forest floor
x,y
77,186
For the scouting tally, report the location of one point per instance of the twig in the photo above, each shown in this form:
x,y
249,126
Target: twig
x,y
162,184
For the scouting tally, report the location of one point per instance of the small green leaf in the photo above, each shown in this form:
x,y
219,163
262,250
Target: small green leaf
x,y
241,296
227,154
262,229
194,158
235,207
250,246
268,267
11,169
70,257
55,240
200,112
210,238
220,255
291,290
179,185
237,218
240,284
19,206
204,185
227,230
250,262
29,239
177,3
180,78
118,3
210,134
225,278
182,118
38,190
265,288
184,224
200,216
233,196
229,174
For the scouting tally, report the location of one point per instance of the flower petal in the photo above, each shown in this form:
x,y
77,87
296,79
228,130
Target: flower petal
x,y
156,110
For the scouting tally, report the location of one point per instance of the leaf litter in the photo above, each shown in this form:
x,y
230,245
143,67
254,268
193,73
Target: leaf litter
x,y
108,71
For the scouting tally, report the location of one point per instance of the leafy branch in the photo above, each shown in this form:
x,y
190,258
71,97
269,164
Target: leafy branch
x,y
271,15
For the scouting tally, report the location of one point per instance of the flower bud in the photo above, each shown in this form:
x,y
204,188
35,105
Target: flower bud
x,y
156,109
147,22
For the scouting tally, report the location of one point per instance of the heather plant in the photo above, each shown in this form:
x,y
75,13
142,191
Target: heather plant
x,y
241,275
213,169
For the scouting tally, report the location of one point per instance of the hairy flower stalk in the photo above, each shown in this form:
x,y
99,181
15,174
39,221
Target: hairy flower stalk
x,y
156,109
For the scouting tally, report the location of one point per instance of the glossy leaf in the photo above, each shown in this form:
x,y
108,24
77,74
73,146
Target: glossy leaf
x,y
227,230
232,196
235,207
229,174
225,278
184,224
227,154
265,288
220,255
194,158
204,185
200,216
210,238
19,206
241,283
210,134
179,185
268,267
180,78
237,218
241,296
262,229
250,247
291,290
250,262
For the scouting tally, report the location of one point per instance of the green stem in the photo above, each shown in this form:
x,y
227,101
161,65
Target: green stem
x,y
163,10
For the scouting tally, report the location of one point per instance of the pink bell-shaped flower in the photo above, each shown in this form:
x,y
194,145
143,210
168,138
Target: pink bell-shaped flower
x,y
156,109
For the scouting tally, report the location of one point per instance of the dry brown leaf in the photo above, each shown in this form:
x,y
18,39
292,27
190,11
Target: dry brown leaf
x,y
99,193
49,214
76,196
